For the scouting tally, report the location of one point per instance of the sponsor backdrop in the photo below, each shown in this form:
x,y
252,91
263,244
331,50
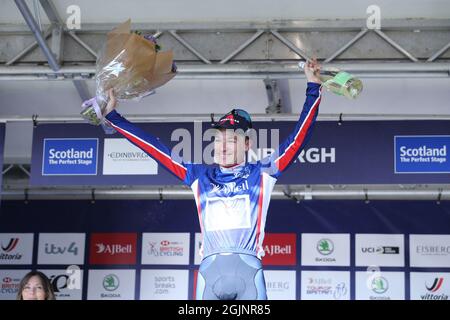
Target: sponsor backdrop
x,y
2,145
357,152
150,249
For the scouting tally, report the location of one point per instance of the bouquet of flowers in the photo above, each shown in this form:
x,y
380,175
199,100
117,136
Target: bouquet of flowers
x,y
132,65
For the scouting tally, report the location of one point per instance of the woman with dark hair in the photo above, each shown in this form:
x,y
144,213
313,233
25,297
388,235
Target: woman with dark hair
x,y
35,286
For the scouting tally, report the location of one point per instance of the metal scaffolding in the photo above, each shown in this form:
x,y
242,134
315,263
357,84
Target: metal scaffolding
x,y
243,50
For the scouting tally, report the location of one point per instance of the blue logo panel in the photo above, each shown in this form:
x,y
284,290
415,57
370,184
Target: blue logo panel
x,y
422,154
70,157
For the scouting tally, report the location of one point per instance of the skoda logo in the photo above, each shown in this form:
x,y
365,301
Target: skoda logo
x,y
325,246
110,282
380,285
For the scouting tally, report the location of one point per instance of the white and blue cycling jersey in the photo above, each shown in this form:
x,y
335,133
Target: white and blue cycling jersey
x,y
232,203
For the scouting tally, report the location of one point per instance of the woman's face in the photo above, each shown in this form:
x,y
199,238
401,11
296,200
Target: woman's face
x,y
33,289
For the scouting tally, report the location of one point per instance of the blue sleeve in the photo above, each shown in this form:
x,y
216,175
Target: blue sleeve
x,y
291,147
153,147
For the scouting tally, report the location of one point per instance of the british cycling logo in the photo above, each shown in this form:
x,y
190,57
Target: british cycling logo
x,y
165,248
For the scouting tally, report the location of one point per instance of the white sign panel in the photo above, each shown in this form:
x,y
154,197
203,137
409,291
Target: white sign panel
x,y
10,282
122,157
197,248
429,250
380,285
280,284
430,286
387,250
325,249
67,283
61,248
160,284
16,248
111,284
165,248
325,285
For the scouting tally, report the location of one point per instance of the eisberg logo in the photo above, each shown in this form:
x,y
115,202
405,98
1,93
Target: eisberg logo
x,y
422,154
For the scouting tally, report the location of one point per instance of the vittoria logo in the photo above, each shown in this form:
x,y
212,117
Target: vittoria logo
x,y
434,290
437,284
11,245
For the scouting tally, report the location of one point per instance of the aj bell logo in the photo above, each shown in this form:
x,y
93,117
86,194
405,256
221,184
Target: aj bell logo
x,y
229,188
113,249
277,249
433,289
11,245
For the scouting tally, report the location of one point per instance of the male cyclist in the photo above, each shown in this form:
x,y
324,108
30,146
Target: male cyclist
x,y
232,196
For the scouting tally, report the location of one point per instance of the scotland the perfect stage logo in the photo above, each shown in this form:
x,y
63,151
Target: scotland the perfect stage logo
x,y
70,156
422,154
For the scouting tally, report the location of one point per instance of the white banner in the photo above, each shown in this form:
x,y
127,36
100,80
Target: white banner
x,y
121,157
160,284
10,282
325,249
280,284
165,248
380,285
430,286
67,284
61,248
111,284
16,248
325,285
426,250
387,250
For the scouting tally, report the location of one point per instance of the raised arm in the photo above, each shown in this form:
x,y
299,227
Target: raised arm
x,y
147,142
291,147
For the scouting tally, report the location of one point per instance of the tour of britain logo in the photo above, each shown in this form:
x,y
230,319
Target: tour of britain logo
x,y
325,246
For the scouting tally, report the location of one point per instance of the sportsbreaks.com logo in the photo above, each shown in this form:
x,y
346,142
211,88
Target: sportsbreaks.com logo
x,y
280,249
113,248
